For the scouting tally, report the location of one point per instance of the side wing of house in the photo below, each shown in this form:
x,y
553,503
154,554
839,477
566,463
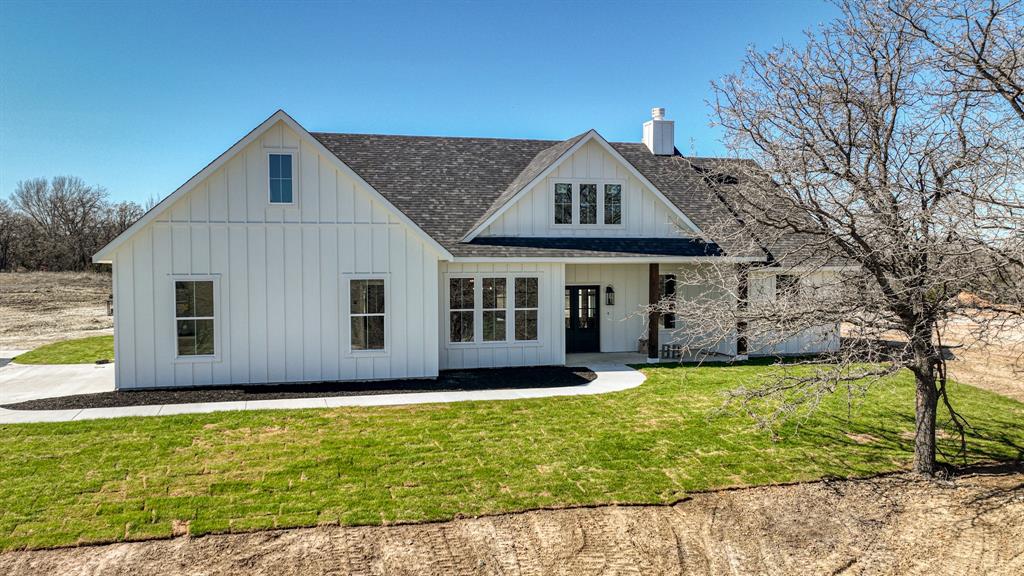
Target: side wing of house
x,y
764,341
590,193
297,287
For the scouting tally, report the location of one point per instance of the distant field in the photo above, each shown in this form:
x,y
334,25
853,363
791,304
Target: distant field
x,y
38,308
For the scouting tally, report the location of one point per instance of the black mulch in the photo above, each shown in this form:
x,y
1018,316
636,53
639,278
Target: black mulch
x,y
447,381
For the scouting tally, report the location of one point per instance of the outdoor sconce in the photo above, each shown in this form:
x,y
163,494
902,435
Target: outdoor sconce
x,y
609,296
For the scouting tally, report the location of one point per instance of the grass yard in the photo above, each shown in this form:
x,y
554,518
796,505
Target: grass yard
x,y
124,479
80,351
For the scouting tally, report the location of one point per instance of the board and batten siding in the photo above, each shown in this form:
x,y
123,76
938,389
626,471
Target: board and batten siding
x,y
643,213
280,273
550,347
809,341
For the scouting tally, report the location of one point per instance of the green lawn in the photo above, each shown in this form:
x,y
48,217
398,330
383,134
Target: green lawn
x,y
81,351
129,478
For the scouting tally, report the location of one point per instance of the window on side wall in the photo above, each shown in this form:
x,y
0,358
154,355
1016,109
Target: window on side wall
x,y
367,314
526,306
786,284
281,183
668,291
461,304
194,317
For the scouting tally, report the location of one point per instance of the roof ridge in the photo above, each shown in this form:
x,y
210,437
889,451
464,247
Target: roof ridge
x,y
435,137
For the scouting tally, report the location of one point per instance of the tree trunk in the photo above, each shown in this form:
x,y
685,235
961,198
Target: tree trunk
x,y
924,437
927,401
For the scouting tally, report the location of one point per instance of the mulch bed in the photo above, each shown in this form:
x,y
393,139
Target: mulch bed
x,y
447,381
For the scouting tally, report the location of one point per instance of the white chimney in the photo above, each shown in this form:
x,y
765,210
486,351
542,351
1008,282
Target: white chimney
x,y
660,134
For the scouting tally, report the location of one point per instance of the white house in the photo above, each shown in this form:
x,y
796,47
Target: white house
x,y
298,256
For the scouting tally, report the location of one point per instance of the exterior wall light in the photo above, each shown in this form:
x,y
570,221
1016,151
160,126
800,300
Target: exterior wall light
x,y
609,296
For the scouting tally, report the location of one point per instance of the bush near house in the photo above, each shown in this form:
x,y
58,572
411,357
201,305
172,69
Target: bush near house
x,y
136,478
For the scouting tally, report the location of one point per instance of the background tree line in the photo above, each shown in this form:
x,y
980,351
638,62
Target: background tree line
x,y
58,224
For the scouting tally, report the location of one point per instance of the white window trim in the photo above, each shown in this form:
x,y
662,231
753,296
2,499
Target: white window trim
x,y
482,309
294,155
217,313
622,203
515,309
478,314
575,183
346,306
477,298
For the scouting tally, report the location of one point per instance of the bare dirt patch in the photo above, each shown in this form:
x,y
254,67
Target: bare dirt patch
x,y
38,308
995,363
890,525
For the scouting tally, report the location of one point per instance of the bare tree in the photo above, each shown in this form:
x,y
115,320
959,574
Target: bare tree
x,y
119,217
8,235
67,211
883,184
980,43
59,224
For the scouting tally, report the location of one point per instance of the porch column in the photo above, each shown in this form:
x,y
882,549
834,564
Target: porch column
x,y
654,317
742,293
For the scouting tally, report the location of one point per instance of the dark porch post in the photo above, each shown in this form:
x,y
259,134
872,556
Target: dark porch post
x,y
742,293
654,319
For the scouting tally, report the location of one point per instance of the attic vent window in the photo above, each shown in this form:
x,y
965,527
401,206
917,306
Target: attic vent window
x,y
281,179
713,178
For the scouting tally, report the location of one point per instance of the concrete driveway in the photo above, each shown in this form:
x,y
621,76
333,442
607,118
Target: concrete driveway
x,y
20,382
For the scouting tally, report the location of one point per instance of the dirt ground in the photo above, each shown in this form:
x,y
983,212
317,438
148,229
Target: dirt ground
x,y
889,525
996,364
37,308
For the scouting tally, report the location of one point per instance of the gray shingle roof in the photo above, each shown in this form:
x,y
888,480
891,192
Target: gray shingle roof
x,y
448,185
567,246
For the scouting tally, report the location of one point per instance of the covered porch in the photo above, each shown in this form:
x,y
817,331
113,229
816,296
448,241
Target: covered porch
x,y
606,315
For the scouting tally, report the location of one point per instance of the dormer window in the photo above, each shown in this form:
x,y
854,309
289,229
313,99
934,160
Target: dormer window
x,y
588,203
584,204
281,184
563,203
613,203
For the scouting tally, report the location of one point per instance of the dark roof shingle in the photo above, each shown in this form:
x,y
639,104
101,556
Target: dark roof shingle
x,y
449,185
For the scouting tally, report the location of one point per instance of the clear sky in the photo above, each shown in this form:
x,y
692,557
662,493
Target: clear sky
x,y
137,97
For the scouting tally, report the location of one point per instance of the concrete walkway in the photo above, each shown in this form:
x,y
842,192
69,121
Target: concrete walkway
x,y
21,382
610,378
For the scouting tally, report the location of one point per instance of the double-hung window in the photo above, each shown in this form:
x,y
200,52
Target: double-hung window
x,y
488,309
281,185
613,204
367,313
588,203
563,203
786,285
526,307
495,302
194,317
461,306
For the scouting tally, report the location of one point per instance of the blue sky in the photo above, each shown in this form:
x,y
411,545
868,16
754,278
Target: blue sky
x,y
137,97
